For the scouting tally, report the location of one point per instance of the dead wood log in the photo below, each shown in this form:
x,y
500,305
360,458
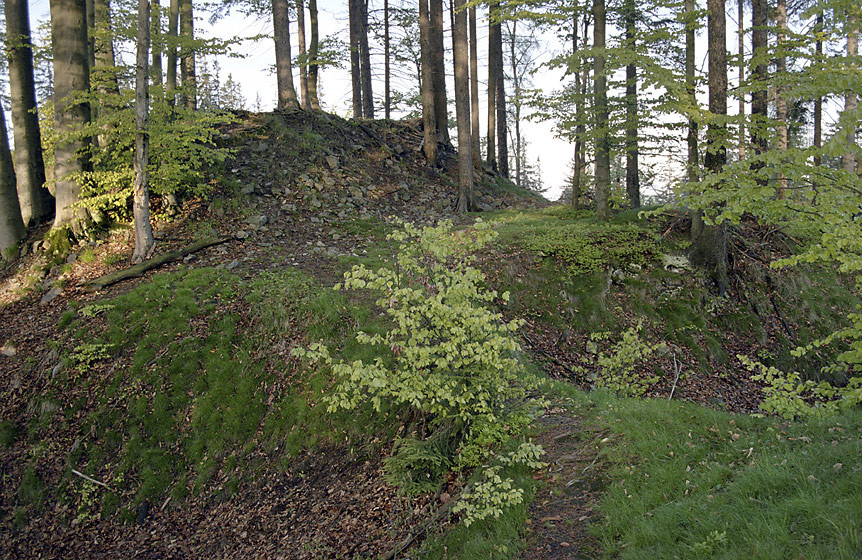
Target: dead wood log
x,y
139,269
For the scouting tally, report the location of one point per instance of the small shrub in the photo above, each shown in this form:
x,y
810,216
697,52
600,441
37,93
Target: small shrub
x,y
617,368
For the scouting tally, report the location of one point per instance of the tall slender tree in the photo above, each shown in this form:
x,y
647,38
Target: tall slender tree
x,y
760,58
283,71
387,97
633,189
500,99
366,78
313,49
848,160
818,102
693,161
171,44
187,55
71,114
141,192
493,34
156,70
460,52
780,96
355,71
12,229
303,56
35,200
474,90
438,71
104,75
740,35
429,122
602,133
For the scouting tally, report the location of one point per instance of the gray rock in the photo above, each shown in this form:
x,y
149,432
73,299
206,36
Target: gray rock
x,y
71,258
247,189
232,264
50,295
257,221
8,350
190,258
241,234
332,161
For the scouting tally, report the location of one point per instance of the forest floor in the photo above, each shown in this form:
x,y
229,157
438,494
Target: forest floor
x,y
315,209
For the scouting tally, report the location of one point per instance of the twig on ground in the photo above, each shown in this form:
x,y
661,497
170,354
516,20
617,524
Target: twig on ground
x,y
94,481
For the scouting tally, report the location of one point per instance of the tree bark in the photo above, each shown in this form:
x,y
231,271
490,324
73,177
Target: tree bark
x,y
387,99
283,70
579,114
71,79
35,200
12,229
187,70
633,188
740,14
303,58
493,31
438,71
780,98
693,159
313,47
355,72
365,62
171,43
460,51
710,250
848,160
603,161
429,122
141,202
818,103
516,102
105,73
502,128
759,102
156,44
474,90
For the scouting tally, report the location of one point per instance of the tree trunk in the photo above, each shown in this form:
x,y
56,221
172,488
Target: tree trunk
x,y
493,31
579,114
848,160
693,160
303,58
35,200
759,103
387,100
12,229
187,70
356,80
171,43
105,73
780,98
710,250
313,47
502,129
365,62
283,65
603,161
633,188
460,51
740,14
438,71
156,44
818,103
71,80
474,91
141,203
429,123
516,102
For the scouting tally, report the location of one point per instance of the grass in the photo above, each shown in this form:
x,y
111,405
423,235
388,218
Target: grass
x,y
692,482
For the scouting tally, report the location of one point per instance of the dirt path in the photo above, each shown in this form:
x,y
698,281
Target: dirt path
x,y
565,506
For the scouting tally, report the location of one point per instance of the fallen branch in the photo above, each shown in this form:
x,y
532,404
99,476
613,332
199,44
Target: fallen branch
x,y
93,480
677,367
139,269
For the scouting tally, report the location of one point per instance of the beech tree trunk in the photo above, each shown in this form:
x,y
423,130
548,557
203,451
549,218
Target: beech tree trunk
x,y
780,98
710,250
474,91
693,159
493,32
105,74
187,71
740,14
429,122
35,201
71,80
438,71
355,72
818,103
516,102
313,47
141,202
12,229
848,160
633,188
365,62
759,101
579,114
603,161
283,64
171,44
387,100
156,43
462,107
303,59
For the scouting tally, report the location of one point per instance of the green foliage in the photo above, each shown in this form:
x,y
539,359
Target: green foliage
x,y
789,397
446,355
590,247
617,368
